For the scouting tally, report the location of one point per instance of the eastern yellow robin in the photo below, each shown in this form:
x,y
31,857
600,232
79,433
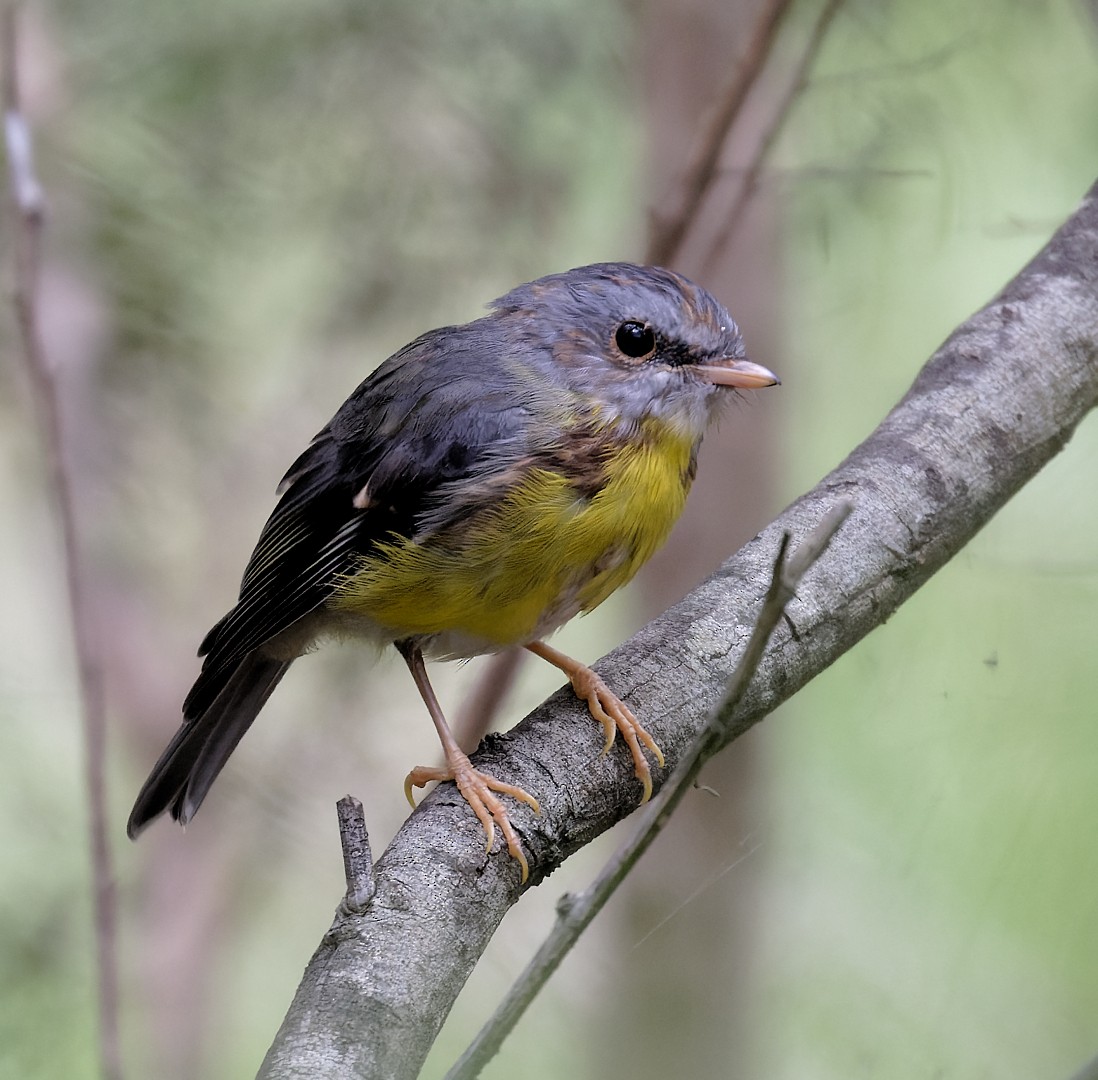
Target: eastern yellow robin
x,y
484,485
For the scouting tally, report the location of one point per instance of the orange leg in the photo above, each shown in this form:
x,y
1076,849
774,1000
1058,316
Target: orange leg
x,y
608,709
475,786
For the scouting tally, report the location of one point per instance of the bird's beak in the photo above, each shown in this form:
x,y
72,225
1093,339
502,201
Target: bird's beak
x,y
742,374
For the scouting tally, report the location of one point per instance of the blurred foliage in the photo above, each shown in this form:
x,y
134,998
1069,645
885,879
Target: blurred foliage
x,y
254,202
931,879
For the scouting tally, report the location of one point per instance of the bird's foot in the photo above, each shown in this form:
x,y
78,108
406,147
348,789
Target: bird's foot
x,y
477,790
614,715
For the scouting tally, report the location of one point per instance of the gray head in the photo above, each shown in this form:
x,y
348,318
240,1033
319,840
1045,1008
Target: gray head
x,y
640,339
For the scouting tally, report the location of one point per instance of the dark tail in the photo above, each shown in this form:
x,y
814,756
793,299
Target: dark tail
x,y
198,751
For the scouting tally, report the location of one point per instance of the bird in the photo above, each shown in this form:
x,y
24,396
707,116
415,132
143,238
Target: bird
x,y
484,485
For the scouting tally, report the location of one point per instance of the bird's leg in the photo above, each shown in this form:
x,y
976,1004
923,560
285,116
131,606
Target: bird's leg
x,y
608,709
475,786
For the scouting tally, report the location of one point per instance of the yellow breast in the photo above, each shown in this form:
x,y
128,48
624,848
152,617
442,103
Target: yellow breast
x,y
516,570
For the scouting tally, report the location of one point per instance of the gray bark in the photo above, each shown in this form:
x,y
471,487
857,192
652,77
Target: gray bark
x,y
999,399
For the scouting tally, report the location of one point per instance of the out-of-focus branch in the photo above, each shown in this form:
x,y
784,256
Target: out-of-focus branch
x,y
749,181
575,912
26,196
1088,1072
28,207
483,701
995,403
670,226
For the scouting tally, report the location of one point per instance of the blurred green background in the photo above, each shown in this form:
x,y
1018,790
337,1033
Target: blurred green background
x,y
252,203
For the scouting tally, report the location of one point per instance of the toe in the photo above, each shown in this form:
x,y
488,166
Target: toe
x,y
606,707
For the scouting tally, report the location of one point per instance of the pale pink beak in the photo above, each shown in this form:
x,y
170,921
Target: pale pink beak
x,y
741,374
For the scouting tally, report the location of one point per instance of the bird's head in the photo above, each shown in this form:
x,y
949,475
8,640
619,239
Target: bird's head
x,y
637,341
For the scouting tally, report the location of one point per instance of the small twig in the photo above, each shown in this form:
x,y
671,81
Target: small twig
x,y
575,911
358,863
669,231
26,194
750,181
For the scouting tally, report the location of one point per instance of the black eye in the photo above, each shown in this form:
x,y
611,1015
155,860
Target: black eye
x,y
635,339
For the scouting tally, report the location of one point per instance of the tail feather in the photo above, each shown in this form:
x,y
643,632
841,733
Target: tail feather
x,y
180,780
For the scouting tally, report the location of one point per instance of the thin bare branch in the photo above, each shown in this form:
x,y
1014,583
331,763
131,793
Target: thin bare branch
x,y
28,206
795,87
575,912
670,229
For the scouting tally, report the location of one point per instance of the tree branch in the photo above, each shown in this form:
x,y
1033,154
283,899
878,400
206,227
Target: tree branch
x,y
999,399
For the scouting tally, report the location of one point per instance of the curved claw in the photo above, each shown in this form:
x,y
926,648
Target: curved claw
x,y
477,790
614,715
608,709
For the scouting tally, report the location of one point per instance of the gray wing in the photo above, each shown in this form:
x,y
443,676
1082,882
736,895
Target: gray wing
x,y
418,425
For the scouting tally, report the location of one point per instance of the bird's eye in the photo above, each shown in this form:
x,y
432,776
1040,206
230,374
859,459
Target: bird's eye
x,y
635,339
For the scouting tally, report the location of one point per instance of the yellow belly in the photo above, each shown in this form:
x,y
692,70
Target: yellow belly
x,y
517,570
